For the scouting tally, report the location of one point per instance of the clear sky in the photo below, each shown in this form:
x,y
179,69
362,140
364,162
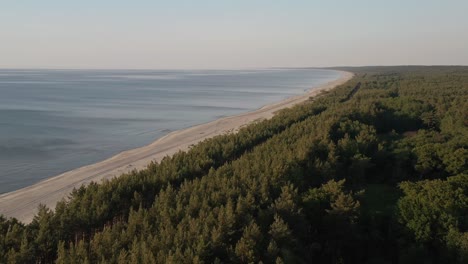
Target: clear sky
x,y
214,34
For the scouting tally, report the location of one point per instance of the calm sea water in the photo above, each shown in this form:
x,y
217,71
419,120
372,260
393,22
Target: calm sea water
x,y
52,121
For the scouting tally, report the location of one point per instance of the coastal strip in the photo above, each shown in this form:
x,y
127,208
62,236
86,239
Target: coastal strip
x,y
23,203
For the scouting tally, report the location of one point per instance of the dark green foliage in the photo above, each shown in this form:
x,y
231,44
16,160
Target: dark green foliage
x,y
374,171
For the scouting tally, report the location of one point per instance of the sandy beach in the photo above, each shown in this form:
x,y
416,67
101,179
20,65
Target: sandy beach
x,y
22,204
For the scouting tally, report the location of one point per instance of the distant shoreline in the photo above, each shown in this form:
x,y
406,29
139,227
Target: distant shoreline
x,y
22,204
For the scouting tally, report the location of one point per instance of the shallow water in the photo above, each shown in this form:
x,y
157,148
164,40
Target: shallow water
x,y
52,121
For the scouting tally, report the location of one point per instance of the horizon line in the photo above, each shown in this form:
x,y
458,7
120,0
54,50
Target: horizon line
x,y
236,68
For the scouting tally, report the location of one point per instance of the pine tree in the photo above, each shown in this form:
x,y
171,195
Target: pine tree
x,y
247,248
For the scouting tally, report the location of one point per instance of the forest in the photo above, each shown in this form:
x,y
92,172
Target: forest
x,y
373,171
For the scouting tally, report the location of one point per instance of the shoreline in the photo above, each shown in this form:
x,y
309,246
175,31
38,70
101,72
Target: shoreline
x,y
22,204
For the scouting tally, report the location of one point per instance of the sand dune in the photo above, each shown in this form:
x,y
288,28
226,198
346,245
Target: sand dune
x,y
23,203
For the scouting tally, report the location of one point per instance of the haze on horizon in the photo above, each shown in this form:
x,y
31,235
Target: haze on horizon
x,y
231,34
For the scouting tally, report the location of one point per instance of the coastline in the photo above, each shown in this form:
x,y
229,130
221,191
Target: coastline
x,y
22,204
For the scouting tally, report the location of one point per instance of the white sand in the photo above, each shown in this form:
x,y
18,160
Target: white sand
x,y
22,204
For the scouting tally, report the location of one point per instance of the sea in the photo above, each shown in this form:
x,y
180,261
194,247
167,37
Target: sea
x,y
53,121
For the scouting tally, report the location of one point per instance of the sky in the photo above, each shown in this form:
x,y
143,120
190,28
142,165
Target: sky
x,y
231,34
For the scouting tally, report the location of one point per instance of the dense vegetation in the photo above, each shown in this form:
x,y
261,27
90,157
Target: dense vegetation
x,y
373,172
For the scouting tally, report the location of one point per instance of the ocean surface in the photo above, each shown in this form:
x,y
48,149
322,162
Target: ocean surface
x,y
52,121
